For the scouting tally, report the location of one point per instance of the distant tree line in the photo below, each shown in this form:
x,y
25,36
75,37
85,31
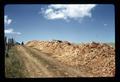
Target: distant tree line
x,y
9,43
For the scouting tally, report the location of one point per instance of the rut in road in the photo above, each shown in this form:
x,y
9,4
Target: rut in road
x,y
39,64
33,67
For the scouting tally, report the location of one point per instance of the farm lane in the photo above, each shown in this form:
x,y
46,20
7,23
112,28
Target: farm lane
x,y
39,64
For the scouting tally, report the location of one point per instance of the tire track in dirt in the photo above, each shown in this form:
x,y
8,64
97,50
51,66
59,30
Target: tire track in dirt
x,y
52,65
33,67
39,64
58,69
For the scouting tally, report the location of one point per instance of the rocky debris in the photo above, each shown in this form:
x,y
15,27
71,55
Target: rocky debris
x,y
58,41
94,44
98,57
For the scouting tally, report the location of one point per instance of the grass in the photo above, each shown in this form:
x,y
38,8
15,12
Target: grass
x,y
13,64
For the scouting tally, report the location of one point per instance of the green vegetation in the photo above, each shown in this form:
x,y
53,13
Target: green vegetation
x,y
13,64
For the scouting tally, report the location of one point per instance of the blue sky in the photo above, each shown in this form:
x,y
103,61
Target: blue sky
x,y
74,23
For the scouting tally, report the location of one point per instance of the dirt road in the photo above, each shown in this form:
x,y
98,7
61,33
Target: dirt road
x,y
39,64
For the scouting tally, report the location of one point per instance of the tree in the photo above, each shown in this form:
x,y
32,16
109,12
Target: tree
x,y
17,43
6,47
22,43
9,45
12,41
5,40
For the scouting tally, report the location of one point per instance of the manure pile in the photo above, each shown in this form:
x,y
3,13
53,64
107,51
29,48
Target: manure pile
x,y
99,58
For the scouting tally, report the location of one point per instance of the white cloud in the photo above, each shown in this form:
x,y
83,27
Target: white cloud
x,y
7,21
66,12
11,31
18,33
8,31
105,24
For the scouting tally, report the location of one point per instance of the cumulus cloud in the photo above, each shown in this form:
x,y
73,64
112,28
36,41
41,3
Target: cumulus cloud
x,y
72,11
7,21
11,31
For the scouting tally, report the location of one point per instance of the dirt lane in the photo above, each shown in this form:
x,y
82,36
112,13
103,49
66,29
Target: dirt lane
x,y
33,67
39,64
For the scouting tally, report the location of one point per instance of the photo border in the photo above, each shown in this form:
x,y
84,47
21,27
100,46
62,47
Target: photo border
x,y
117,33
